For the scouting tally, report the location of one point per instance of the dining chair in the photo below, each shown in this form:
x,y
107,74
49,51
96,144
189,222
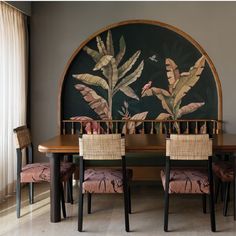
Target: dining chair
x,y
188,147
224,173
36,172
103,180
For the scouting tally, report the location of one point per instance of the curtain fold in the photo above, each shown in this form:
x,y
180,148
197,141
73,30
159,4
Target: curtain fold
x,y
13,90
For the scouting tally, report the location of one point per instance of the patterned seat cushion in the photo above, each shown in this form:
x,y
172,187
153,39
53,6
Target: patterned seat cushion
x,y
223,170
104,180
187,181
39,172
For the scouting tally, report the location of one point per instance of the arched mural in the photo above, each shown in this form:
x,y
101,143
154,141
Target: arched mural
x,y
140,70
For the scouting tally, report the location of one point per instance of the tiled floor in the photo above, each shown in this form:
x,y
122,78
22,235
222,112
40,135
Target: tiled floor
x,y
186,217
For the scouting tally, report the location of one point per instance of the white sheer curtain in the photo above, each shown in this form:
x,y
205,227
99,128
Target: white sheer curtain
x,y
13,90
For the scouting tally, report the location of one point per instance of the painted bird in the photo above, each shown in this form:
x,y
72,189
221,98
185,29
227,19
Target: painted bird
x,y
146,86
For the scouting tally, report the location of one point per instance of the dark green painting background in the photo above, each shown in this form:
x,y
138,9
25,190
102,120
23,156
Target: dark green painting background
x,y
150,39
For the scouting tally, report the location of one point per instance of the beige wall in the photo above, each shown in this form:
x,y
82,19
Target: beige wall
x,y
58,28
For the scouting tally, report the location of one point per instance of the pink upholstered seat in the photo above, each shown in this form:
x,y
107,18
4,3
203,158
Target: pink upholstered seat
x,y
187,181
104,180
223,170
36,172
39,172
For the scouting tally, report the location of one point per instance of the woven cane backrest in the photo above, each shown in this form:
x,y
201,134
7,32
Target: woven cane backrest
x,y
102,146
22,137
189,147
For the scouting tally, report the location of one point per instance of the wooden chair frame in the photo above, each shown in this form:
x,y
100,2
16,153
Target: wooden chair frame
x,y
27,144
126,193
211,195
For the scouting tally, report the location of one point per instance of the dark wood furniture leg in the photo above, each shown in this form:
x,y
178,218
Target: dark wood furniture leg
x,y
68,185
55,210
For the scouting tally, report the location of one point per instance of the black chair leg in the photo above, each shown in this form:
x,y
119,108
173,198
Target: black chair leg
x,y
166,211
226,198
31,193
218,187
126,208
89,203
212,209
18,199
129,196
63,201
80,213
222,191
166,204
204,203
70,190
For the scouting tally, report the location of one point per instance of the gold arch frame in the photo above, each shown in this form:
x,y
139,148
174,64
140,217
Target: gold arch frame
x,y
150,22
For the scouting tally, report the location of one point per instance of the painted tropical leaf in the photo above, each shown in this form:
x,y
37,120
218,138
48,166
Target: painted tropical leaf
x,y
163,116
128,91
126,104
93,127
188,80
128,64
121,113
203,129
101,47
102,62
92,80
110,72
96,102
107,70
130,128
130,78
122,51
114,73
93,53
110,48
162,95
191,107
154,91
173,74
146,87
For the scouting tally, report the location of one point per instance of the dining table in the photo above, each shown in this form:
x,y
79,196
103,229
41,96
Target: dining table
x,y
68,144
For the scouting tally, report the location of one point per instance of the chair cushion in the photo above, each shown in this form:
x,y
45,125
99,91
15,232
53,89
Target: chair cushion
x,y
223,170
39,172
187,181
104,180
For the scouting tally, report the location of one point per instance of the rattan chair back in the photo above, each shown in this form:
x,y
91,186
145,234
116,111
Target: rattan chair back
x,y
22,137
189,147
102,146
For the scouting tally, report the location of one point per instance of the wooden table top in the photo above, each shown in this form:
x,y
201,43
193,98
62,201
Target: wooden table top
x,y
134,143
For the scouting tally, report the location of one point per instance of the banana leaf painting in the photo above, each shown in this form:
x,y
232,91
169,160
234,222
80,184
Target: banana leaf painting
x,y
138,71
179,85
115,77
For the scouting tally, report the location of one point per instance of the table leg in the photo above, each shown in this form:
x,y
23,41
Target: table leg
x,y
55,210
68,199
